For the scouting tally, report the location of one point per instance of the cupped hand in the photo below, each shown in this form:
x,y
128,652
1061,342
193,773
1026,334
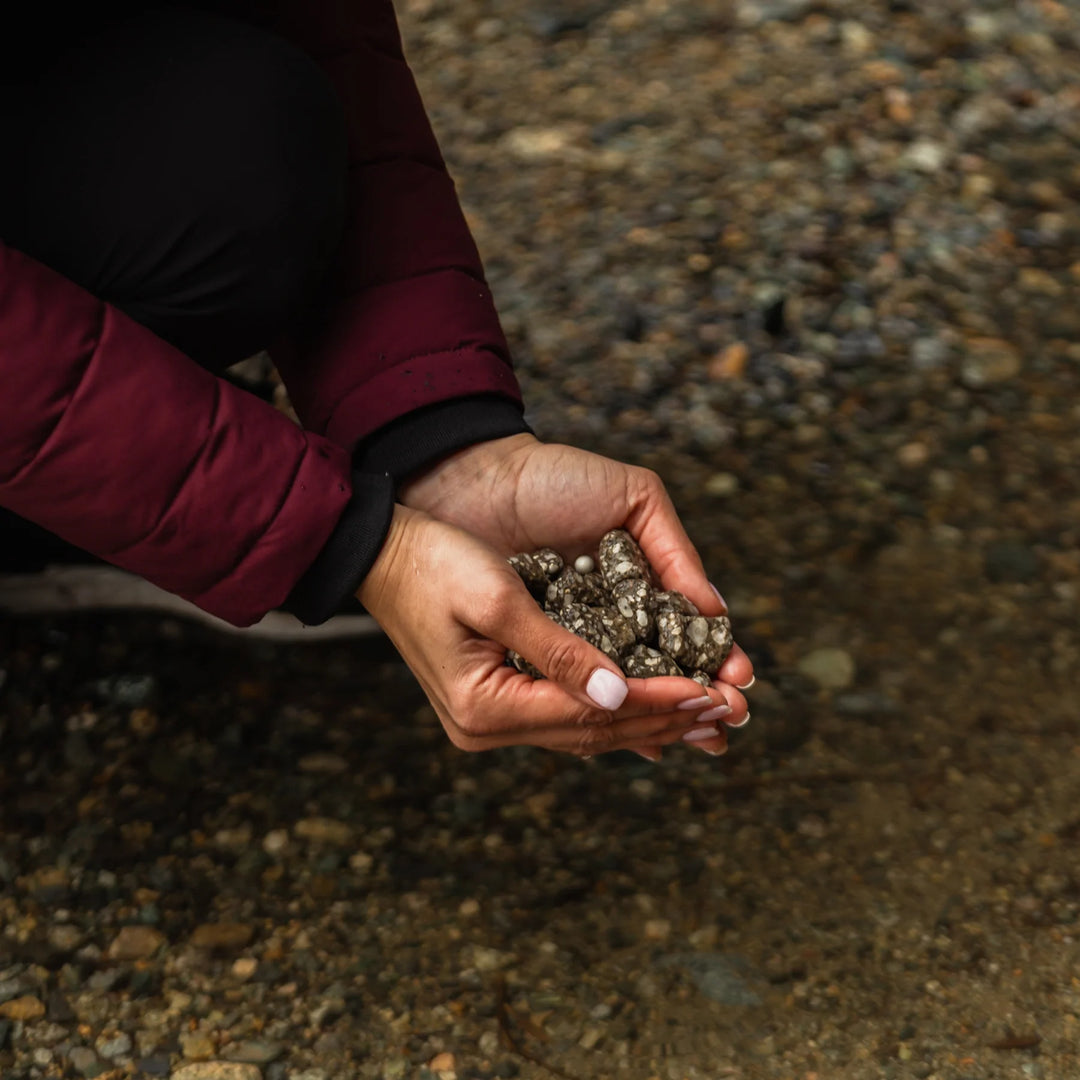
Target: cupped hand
x,y
519,494
452,606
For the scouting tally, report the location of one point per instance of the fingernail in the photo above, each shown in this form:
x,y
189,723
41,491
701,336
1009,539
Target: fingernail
x,y
718,596
695,703
606,689
753,679
742,723
715,753
700,734
715,714
654,758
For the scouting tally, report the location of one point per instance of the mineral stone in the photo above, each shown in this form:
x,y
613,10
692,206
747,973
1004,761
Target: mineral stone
x,y
549,561
570,587
621,558
530,571
641,662
587,623
672,601
632,602
647,631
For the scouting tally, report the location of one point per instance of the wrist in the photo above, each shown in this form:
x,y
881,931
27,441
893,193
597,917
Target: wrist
x,y
379,579
480,463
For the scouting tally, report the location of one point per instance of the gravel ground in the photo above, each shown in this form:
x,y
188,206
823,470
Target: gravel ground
x,y
817,263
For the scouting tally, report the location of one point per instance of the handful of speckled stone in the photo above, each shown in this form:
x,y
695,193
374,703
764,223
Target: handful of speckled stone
x,y
619,609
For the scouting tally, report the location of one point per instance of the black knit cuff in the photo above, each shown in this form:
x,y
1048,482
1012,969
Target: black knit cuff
x,y
348,555
420,438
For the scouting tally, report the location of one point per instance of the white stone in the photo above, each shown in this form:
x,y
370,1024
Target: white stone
x,y
926,156
722,485
830,668
275,841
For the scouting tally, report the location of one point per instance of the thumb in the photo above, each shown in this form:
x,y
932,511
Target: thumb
x,y
675,560
579,668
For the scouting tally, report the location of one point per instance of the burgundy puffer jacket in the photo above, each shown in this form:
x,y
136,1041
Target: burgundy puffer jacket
x,y
120,444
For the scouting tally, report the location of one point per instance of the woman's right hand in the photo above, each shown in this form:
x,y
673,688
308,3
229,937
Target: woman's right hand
x,y
452,606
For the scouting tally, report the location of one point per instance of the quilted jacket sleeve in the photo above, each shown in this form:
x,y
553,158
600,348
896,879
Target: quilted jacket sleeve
x,y
412,362
118,443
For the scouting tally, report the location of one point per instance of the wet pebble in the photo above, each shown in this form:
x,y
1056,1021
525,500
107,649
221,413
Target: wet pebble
x,y
222,937
115,1047
135,943
254,1051
831,668
321,830
16,986
84,1060
197,1045
217,1070
24,1009
989,362
130,691
721,978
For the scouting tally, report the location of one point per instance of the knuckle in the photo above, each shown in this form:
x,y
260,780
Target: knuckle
x,y
497,605
475,727
596,740
647,480
469,720
590,718
562,657
465,742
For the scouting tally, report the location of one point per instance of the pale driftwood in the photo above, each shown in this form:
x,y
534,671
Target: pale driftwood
x,y
58,589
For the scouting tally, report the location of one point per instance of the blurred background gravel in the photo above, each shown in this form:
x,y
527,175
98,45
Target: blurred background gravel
x,y
816,262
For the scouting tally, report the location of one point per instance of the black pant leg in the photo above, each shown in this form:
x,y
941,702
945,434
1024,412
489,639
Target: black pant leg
x,y
186,167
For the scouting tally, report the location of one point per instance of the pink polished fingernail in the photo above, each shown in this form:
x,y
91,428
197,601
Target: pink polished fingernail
x,y
715,714
747,686
700,734
654,758
742,723
715,753
606,689
718,596
695,703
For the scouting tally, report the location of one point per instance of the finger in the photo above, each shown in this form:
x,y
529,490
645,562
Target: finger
x,y
664,542
666,693
740,710
510,703
714,746
736,670
593,739
708,737
513,619
659,730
